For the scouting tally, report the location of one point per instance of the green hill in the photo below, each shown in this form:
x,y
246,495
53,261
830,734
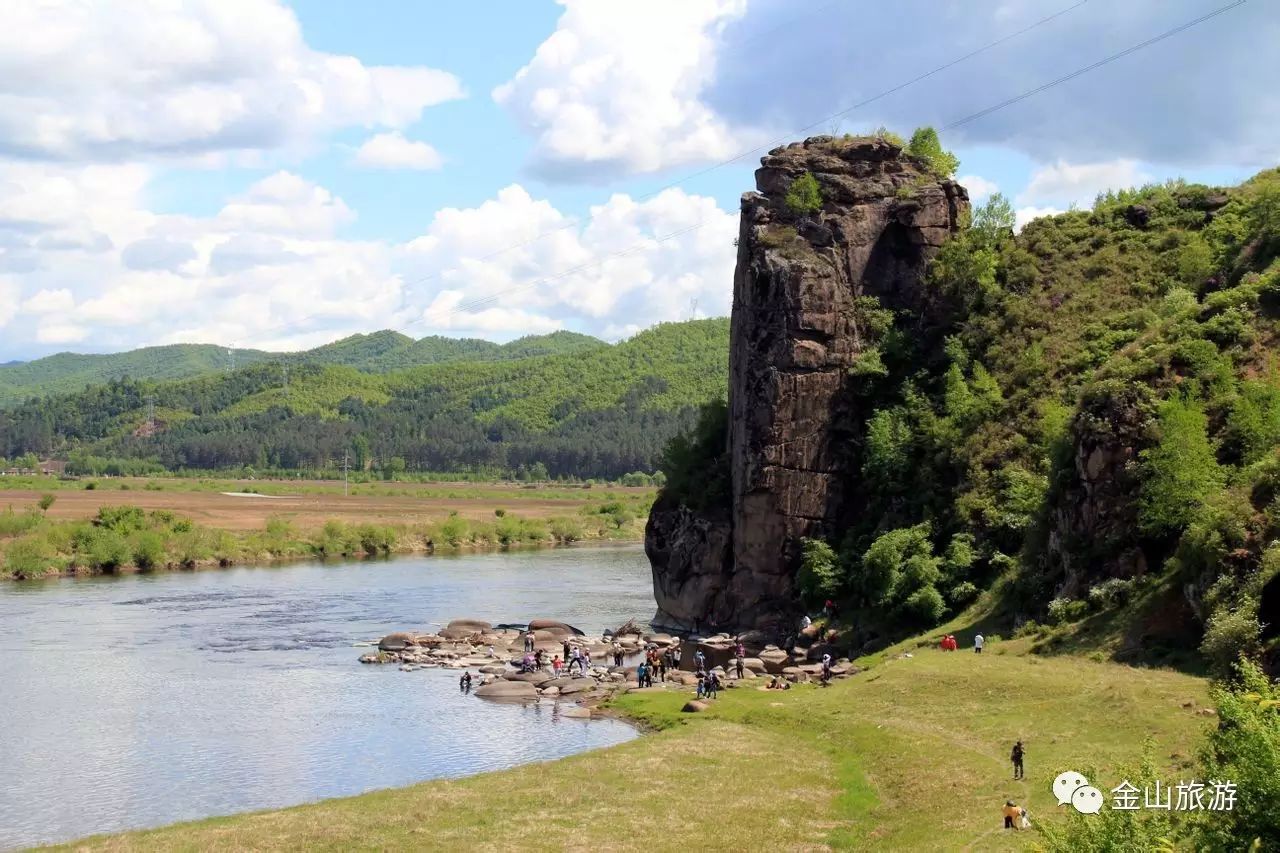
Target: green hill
x,y
560,404
378,352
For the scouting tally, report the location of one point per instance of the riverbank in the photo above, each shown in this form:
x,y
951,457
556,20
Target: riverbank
x,y
128,538
909,754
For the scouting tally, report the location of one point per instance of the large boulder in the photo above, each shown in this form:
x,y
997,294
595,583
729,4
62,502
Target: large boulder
x,y
462,629
554,626
694,706
397,642
775,660
517,691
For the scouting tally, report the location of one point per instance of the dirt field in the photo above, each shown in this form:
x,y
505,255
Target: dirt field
x,y
312,510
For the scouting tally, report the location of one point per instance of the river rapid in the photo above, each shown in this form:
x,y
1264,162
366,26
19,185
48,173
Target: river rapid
x,y
140,700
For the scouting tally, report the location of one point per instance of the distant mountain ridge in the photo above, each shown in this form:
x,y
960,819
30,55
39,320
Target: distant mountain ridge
x,y
376,352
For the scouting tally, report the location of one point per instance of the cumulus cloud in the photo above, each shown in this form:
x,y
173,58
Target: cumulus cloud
x,y
89,82
622,88
1023,215
616,89
271,268
393,151
157,253
1064,184
979,187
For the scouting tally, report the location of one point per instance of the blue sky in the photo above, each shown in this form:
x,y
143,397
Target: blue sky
x,y
273,174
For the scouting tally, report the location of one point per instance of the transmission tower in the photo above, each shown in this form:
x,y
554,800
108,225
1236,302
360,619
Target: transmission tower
x,y
151,413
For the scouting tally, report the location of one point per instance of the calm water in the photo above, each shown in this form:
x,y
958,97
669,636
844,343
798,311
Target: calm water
x,y
137,701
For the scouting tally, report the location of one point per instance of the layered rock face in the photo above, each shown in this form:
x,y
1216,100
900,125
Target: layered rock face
x,y
800,325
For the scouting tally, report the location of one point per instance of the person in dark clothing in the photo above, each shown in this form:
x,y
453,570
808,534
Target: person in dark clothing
x,y
1016,758
741,668
565,646
464,683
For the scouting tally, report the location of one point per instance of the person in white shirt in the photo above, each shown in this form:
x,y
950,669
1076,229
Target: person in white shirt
x,y
977,643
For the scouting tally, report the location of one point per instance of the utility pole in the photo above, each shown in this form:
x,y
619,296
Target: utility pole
x,y
231,357
346,466
693,308
151,414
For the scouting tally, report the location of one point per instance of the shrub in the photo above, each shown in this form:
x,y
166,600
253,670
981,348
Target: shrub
x,y
925,605
16,523
1110,593
1062,610
1230,634
376,539
819,576
148,550
1179,473
566,530
804,196
962,594
122,519
500,512
29,557
106,549
925,143
1029,628
46,501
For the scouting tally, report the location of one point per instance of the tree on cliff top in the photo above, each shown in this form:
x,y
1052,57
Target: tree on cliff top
x,y
804,196
925,143
1181,471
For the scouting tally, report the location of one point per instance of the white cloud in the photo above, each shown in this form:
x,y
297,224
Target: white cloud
x,y
1064,184
393,151
616,88
271,269
979,188
49,302
633,263
1023,215
109,82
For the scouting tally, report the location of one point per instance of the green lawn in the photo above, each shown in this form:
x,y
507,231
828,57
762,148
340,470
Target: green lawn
x,y
908,755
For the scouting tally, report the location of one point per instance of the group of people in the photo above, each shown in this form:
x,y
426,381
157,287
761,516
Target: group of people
x,y
708,684
653,662
949,644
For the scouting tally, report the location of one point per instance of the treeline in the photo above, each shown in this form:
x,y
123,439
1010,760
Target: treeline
x,y
602,413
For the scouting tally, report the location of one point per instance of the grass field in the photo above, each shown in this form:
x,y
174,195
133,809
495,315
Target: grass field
x,y
908,755
309,504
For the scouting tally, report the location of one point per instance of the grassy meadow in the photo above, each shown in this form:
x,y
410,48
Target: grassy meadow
x,y
910,754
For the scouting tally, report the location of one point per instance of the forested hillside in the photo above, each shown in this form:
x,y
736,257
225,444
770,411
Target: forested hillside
x,y
378,352
561,405
1095,419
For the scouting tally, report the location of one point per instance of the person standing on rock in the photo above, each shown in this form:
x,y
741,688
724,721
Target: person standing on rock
x,y
662,666
586,660
528,641
642,673
699,660
565,649
741,650
575,659
826,669
617,653
556,665
740,665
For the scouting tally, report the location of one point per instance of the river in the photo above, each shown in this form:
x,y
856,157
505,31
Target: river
x,y
140,700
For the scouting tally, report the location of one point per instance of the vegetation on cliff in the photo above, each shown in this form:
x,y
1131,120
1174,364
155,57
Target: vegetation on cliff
x,y
561,409
1091,408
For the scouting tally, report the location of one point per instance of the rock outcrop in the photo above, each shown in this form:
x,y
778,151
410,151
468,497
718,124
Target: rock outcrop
x,y
803,339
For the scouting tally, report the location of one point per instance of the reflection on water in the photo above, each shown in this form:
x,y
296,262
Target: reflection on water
x,y
142,700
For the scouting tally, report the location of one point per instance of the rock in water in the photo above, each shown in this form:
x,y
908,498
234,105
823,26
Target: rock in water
x,y
803,340
397,642
517,691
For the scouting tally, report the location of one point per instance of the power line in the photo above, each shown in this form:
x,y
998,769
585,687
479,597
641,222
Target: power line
x,y
572,223
972,117
1094,65
792,135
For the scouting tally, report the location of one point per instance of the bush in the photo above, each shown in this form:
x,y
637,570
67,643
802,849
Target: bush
x,y
566,530
962,594
376,539
1063,610
105,549
46,501
30,557
1110,593
925,143
804,196
925,605
1030,628
500,512
819,576
16,523
122,519
148,550
1179,473
1232,633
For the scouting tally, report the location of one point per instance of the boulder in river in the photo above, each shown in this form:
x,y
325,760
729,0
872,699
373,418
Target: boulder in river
x,y
396,642
517,691
554,626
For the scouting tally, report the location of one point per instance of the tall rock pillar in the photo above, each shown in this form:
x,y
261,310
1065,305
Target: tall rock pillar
x,y
801,332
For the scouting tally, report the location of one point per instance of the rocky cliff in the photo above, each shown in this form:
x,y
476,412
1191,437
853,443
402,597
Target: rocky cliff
x,y
808,289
